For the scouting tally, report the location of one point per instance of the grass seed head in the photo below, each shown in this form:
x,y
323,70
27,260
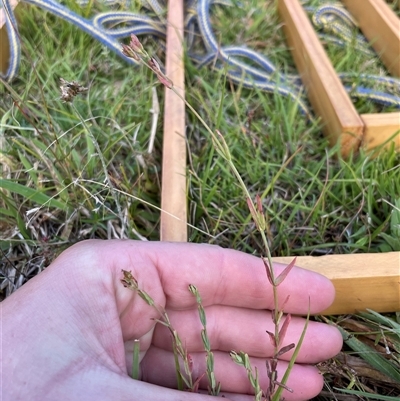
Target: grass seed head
x,y
69,90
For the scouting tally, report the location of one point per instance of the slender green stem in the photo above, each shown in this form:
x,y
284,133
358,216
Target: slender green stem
x,y
104,165
274,287
136,359
226,153
214,386
224,149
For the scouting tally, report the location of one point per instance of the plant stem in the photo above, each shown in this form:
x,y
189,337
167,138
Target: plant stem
x,y
104,165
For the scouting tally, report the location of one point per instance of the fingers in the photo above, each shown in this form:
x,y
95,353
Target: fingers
x,y
165,270
222,276
158,367
229,277
230,328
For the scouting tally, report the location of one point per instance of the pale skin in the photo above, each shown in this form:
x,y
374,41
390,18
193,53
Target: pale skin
x,y
68,333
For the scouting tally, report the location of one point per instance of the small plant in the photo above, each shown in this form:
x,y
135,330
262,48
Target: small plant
x,y
136,51
180,353
69,90
214,387
276,386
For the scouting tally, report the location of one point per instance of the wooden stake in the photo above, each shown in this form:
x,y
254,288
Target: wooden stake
x,y
326,93
370,280
381,27
173,192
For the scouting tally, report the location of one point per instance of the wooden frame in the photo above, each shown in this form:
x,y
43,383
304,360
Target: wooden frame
x,y
369,280
381,27
326,93
325,90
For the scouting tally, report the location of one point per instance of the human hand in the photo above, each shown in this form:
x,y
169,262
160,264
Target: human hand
x,y
68,333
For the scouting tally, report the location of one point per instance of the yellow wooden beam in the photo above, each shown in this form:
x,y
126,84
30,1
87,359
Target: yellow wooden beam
x,y
381,27
325,90
173,192
362,281
381,128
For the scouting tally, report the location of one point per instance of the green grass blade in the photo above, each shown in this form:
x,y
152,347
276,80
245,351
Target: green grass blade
x,y
277,395
369,396
136,360
382,320
32,194
371,356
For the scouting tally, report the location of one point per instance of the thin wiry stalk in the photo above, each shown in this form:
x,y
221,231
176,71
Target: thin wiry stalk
x,y
214,386
104,166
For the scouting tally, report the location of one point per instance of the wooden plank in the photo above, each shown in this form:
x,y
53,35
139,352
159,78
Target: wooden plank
x,y
173,191
381,128
362,281
381,27
326,93
4,45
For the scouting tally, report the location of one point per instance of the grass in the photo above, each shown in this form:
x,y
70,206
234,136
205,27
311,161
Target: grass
x,y
55,191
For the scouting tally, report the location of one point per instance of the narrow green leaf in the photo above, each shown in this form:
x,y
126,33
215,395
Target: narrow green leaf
x,y
28,167
277,395
395,220
13,212
136,359
8,212
221,103
370,355
369,396
394,243
32,194
384,320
